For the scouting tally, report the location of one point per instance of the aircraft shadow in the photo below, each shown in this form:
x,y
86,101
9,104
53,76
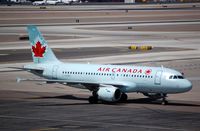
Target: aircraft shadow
x,y
158,102
70,97
65,104
129,101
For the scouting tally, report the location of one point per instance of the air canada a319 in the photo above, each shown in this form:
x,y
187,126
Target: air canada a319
x,y
109,83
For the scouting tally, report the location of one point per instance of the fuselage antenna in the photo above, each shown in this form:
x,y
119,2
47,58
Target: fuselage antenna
x,y
162,67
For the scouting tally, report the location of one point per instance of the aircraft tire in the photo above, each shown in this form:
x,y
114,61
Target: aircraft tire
x,y
93,100
164,102
124,97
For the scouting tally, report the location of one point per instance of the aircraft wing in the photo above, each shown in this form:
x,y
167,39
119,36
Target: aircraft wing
x,y
69,82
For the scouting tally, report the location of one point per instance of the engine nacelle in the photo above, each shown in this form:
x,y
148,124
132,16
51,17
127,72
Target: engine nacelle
x,y
110,93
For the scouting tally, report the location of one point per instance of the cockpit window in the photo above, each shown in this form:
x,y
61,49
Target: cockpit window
x,y
176,77
180,77
170,77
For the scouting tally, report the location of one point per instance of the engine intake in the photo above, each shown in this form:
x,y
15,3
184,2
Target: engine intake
x,y
110,94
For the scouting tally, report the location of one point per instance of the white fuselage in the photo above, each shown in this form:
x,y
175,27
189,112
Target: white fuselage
x,y
133,78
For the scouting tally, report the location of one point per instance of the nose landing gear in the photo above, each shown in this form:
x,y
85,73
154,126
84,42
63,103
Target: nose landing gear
x,y
157,96
164,101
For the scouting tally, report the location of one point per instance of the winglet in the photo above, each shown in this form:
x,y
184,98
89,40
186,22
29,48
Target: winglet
x,y
18,79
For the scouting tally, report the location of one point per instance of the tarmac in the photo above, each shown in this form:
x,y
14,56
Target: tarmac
x,y
101,36
44,111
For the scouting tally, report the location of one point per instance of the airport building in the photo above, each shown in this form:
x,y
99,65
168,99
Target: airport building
x,y
109,1
143,1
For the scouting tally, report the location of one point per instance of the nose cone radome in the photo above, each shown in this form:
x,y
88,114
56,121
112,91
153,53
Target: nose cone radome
x,y
186,85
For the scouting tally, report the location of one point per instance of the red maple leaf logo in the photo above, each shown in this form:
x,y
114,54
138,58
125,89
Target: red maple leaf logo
x,y
148,72
38,49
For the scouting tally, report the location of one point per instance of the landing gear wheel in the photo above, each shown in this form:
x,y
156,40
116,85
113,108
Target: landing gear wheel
x,y
93,100
164,101
124,97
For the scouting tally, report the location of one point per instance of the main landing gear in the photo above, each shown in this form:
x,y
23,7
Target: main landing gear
x,y
94,98
124,97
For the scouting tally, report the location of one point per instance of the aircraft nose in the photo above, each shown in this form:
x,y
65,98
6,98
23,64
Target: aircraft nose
x,y
187,85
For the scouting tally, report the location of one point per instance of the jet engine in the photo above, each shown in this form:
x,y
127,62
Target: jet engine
x,y
109,93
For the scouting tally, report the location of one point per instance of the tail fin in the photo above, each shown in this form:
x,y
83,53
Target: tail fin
x,y
40,51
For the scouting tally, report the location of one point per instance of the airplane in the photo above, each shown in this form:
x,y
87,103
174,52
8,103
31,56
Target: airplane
x,y
108,83
54,2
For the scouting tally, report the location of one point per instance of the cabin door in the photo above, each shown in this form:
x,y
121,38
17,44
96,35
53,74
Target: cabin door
x,y
54,72
158,78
